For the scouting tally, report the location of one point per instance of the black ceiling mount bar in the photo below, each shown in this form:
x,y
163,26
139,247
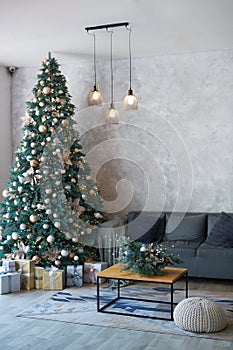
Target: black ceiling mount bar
x,y
106,26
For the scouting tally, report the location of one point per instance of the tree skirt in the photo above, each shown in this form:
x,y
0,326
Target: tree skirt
x,y
79,306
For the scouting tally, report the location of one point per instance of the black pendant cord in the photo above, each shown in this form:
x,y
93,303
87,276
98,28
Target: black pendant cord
x,y
94,57
111,65
130,60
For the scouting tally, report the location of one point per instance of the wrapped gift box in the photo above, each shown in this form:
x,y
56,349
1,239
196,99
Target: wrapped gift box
x,y
9,282
27,269
39,273
9,265
53,279
91,269
74,276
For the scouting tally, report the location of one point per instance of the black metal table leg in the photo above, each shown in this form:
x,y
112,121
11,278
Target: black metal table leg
x,y
172,302
187,284
98,294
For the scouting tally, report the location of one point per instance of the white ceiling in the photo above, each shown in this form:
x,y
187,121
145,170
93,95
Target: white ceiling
x,y
30,28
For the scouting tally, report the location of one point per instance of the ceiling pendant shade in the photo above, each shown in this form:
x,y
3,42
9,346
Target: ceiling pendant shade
x,y
94,97
130,100
112,115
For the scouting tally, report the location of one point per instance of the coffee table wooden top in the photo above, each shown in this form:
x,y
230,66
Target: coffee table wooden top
x,y
169,274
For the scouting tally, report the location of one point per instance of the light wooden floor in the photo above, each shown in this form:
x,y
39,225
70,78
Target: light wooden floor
x,y
22,334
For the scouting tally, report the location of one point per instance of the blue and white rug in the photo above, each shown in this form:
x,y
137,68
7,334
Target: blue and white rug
x,y
80,306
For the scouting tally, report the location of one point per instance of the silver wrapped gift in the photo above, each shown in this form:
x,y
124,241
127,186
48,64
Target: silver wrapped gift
x,y
74,276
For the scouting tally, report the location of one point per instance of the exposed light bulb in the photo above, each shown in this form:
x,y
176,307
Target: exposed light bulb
x,y
95,97
130,101
112,115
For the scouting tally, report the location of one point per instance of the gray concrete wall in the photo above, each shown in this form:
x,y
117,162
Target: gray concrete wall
x,y
175,152
5,127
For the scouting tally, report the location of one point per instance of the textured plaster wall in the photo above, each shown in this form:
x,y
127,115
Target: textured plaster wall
x,y
5,129
175,152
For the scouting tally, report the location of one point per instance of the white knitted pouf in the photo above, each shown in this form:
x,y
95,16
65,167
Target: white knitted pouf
x,y
200,315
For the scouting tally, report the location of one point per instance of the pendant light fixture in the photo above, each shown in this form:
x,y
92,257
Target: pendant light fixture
x,y
94,97
112,115
130,100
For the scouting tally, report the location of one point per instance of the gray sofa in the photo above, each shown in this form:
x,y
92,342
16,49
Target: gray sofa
x,y
204,241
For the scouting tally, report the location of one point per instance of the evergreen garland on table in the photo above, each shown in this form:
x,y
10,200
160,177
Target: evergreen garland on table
x,y
145,259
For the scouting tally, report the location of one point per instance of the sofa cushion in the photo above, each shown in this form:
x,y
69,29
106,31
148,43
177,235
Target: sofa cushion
x,y
145,227
191,228
211,221
221,233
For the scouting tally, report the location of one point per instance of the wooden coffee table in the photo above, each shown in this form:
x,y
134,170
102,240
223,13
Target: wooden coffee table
x,y
169,276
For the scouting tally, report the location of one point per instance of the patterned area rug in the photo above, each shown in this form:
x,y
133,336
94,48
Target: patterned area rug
x,y
80,306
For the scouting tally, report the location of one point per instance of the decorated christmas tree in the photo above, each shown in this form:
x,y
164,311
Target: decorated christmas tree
x,y
51,206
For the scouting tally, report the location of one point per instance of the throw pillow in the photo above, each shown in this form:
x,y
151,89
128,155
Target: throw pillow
x,y
191,228
146,227
222,231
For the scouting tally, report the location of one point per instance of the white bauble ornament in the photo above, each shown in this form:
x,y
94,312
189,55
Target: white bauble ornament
x,y
57,224
14,183
15,235
54,195
15,202
57,262
20,189
32,144
24,199
89,231
97,215
82,233
70,220
58,183
143,249
5,193
50,239
48,190
33,152
8,237
55,215
48,211
84,196
42,143
42,128
22,226
76,258
64,252
63,171
55,120
47,200
45,226
33,218
48,139
41,104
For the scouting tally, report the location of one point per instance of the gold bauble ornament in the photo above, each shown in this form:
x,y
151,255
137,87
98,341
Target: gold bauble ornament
x,y
34,163
92,192
5,193
33,218
46,90
65,122
42,128
83,188
73,180
36,258
51,129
